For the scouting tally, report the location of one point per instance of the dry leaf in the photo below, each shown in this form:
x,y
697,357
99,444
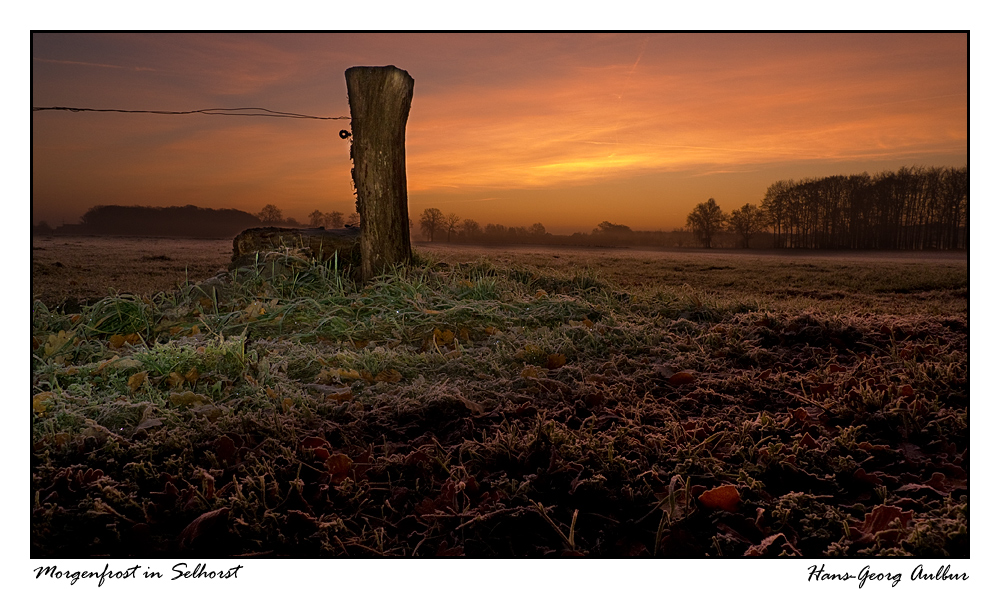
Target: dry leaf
x,y
390,375
681,378
532,372
116,341
443,338
540,294
137,380
175,380
42,402
338,465
191,375
188,399
345,374
195,330
555,361
286,404
270,393
725,497
56,342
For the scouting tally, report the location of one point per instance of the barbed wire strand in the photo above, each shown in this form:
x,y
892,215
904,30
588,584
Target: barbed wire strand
x,y
231,112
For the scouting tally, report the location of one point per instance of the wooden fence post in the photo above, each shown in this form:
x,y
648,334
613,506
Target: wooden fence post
x,y
380,98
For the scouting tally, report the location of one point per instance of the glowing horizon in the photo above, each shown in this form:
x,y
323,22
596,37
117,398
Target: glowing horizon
x,y
564,129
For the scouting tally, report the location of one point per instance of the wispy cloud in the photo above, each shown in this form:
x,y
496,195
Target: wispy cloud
x,y
89,64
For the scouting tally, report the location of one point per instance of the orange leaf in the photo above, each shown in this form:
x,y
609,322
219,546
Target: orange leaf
x,y
116,341
443,338
340,397
532,372
725,497
191,375
286,404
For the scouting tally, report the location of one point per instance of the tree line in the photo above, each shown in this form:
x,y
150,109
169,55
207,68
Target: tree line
x,y
912,208
181,221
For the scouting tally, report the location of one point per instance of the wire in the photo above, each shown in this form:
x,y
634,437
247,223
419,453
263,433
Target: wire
x,y
230,112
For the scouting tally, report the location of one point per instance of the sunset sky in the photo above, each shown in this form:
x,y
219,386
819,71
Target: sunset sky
x,y
564,129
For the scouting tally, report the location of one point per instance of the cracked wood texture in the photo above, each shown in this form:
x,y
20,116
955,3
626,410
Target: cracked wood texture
x,y
380,98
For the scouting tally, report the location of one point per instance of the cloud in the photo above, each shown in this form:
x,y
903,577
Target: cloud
x,y
89,64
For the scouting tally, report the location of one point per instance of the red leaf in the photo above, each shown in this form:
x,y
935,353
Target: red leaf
x,y
338,465
725,497
808,441
203,524
681,378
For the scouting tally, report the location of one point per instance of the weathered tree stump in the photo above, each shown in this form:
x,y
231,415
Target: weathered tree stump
x,y
321,243
380,98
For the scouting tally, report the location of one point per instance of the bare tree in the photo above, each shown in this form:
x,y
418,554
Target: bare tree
x,y
431,220
706,220
354,220
537,230
747,221
334,220
470,228
451,223
315,218
270,214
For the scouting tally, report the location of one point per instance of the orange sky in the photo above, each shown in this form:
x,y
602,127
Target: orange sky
x,y
564,129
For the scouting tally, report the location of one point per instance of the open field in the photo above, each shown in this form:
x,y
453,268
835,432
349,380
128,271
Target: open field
x,y
504,402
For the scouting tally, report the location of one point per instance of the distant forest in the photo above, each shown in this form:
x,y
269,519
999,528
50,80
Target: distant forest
x,y
186,221
912,208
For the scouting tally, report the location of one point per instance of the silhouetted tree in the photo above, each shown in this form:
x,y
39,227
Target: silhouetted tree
x,y
470,228
315,218
270,214
746,221
451,223
607,228
188,220
334,220
706,220
431,220
912,208
538,230
354,220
